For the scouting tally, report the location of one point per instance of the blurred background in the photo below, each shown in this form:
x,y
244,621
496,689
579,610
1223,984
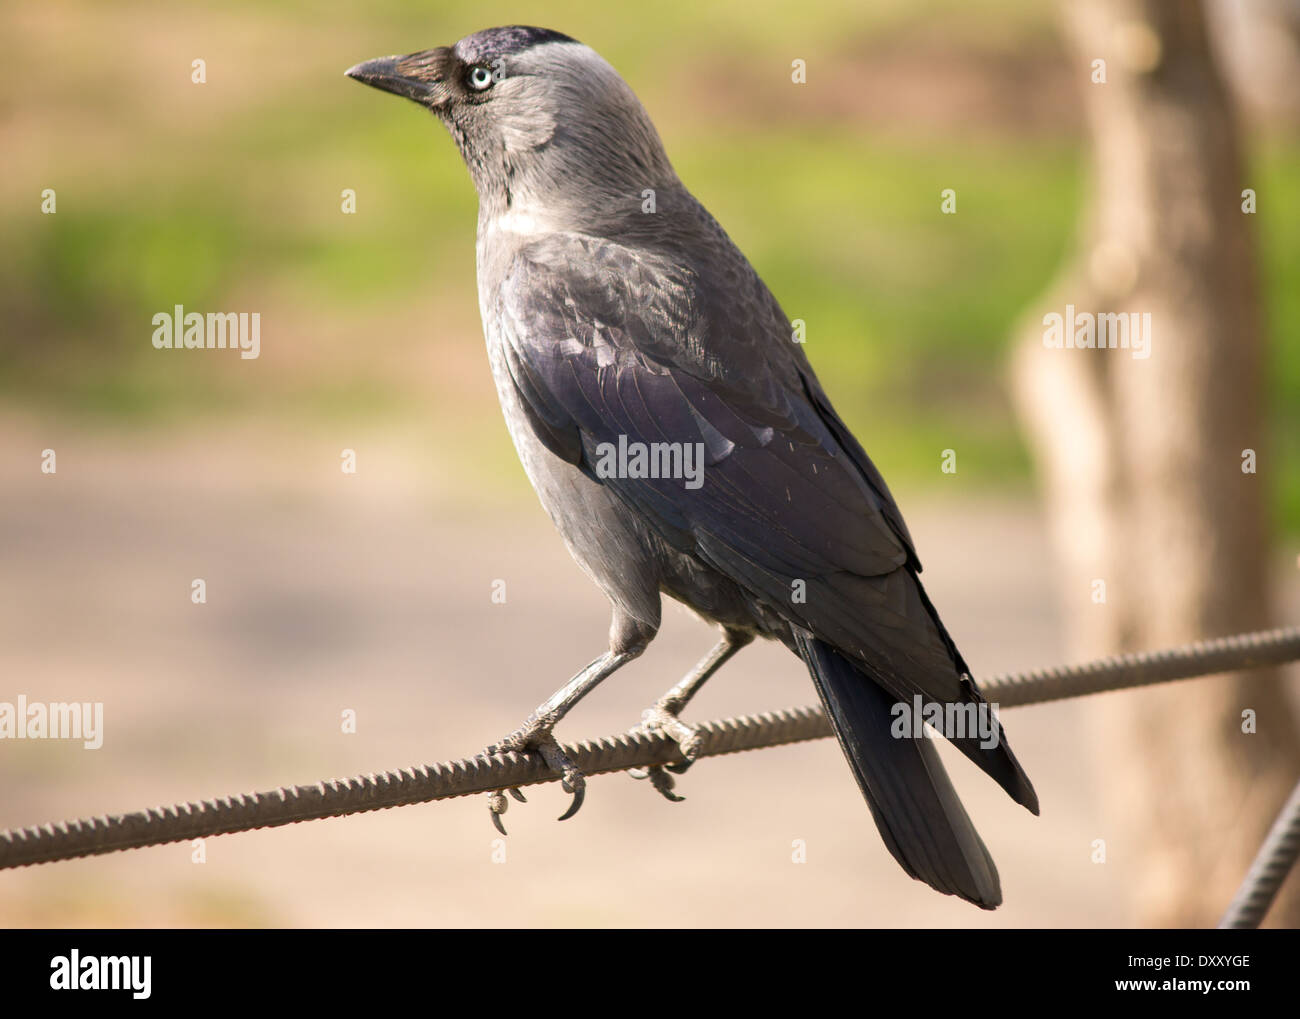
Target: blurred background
x,y
372,591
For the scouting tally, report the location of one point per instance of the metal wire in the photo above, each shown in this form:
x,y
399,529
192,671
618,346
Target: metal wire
x,y
94,836
1142,668
288,805
1274,861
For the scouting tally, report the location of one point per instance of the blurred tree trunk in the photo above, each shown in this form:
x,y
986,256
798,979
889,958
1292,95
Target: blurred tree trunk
x,y
1258,42
1142,461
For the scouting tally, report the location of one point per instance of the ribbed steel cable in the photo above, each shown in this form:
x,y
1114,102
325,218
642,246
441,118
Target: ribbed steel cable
x,y
1142,668
1274,861
106,834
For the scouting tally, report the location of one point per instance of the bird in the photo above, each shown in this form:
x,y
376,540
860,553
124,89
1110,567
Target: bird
x,y
679,439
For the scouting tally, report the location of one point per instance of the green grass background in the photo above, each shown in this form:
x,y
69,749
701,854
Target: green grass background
x,y
225,196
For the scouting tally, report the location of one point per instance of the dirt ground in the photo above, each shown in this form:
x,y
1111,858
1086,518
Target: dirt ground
x,y
372,592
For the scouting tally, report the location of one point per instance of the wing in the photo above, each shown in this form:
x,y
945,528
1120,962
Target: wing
x,y
604,343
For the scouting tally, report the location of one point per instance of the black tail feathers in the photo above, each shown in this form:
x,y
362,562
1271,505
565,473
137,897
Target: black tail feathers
x,y
910,795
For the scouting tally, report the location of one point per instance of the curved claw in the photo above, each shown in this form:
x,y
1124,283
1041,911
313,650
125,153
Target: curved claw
x,y
518,795
572,781
579,790
497,805
660,779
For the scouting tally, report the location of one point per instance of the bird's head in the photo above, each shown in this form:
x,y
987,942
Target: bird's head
x,y
546,127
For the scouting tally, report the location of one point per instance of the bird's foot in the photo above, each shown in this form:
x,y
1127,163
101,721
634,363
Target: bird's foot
x,y
663,719
535,736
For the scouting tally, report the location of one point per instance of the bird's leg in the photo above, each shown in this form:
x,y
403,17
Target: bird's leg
x,y
536,734
665,717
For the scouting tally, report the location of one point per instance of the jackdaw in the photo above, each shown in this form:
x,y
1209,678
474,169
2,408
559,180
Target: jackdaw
x,y
622,325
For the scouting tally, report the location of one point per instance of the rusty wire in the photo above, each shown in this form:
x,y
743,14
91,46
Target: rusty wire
x,y
48,843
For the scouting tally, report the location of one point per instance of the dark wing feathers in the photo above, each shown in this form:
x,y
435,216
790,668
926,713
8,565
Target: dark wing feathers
x,y
550,422
624,346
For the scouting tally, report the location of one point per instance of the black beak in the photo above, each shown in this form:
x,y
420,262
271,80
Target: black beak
x,y
418,76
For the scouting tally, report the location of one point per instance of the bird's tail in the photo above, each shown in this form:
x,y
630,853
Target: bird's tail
x,y
915,806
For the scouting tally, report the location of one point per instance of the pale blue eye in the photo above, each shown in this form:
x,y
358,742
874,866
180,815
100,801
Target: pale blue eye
x,y
480,78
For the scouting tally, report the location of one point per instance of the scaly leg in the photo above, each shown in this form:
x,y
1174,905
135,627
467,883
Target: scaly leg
x,y
537,733
665,715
